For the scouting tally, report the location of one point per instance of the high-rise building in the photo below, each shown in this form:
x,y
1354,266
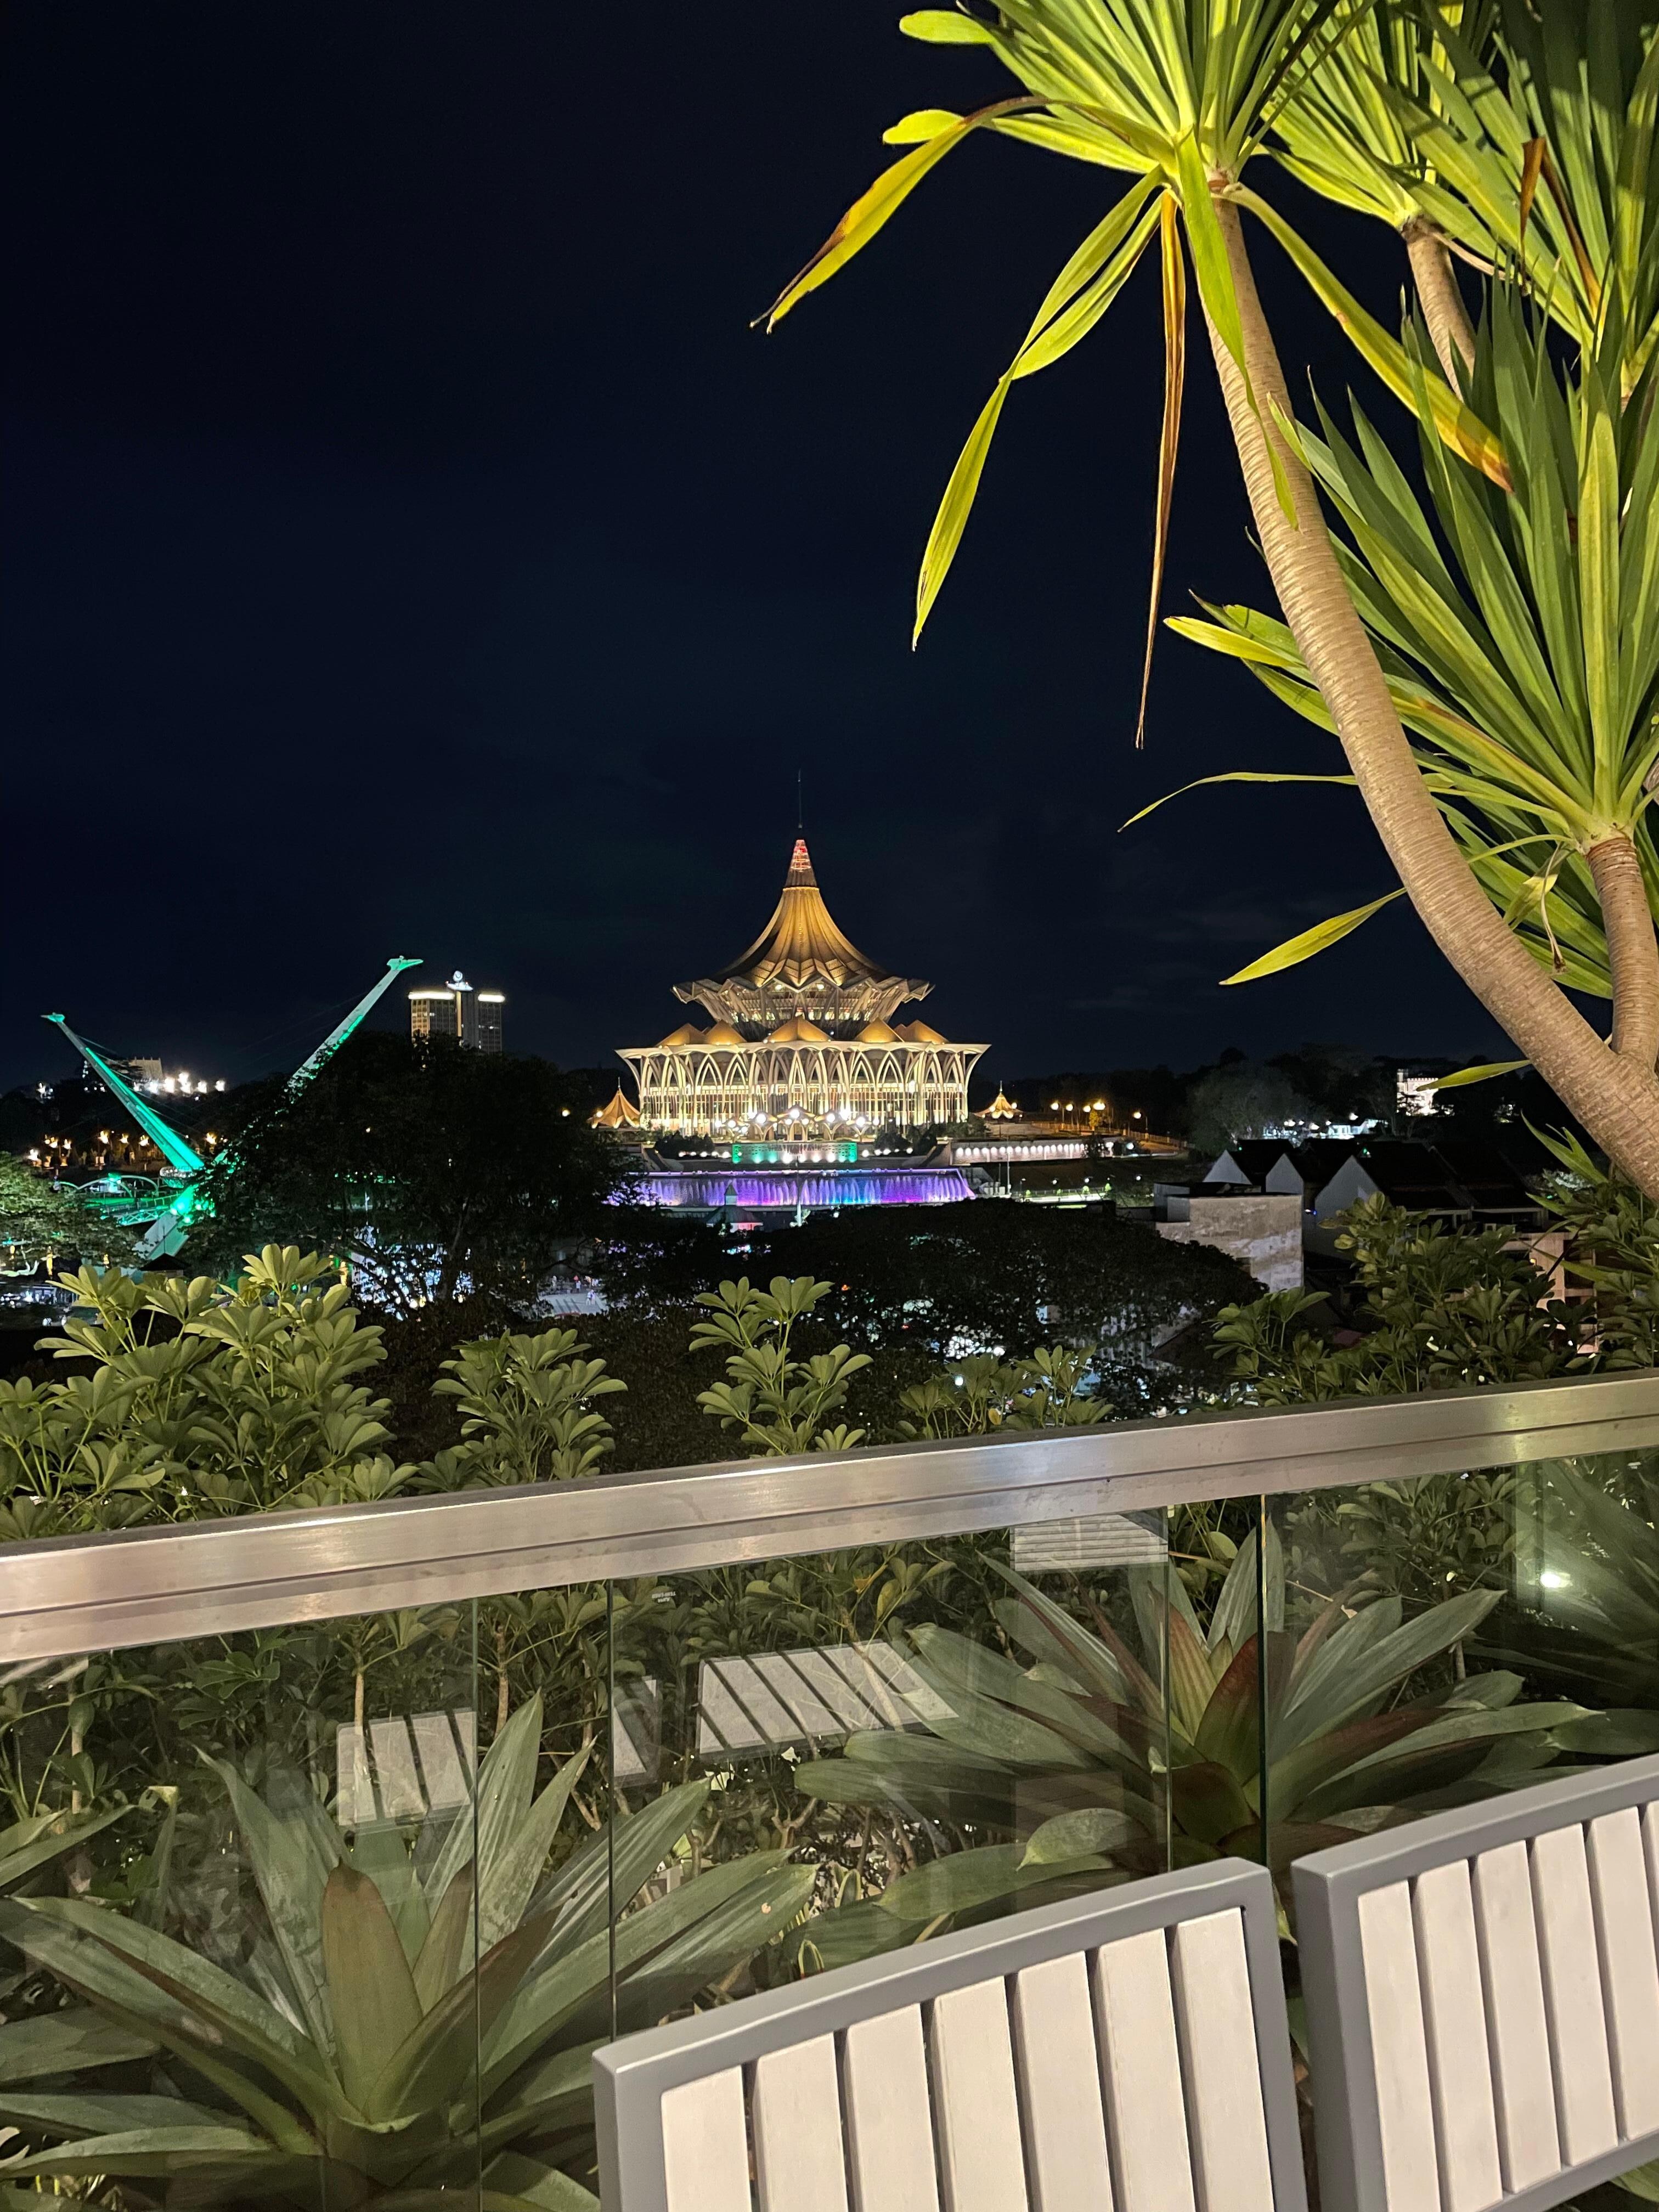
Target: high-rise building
x,y
458,1013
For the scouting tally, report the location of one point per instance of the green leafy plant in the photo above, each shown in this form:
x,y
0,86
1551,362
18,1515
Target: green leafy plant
x,y
200,1400
418,2006
776,1402
982,1392
40,1223
1068,1755
527,1415
1437,1308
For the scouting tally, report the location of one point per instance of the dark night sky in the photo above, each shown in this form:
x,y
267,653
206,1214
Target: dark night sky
x,y
410,547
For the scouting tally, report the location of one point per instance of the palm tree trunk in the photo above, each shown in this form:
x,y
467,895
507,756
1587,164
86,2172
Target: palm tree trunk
x,y
1616,1098
1632,949
1444,310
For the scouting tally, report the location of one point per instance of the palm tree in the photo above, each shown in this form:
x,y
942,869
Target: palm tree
x,y
1180,95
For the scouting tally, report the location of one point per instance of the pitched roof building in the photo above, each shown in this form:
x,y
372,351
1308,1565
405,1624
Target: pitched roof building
x,y
802,1039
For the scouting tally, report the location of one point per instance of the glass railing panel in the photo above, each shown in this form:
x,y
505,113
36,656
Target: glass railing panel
x,y
1436,1642
236,1905
840,1753
546,1858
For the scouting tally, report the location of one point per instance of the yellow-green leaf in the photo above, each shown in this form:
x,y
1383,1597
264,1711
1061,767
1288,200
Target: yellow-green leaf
x,y
1309,941
1209,263
1482,1074
943,27
1175,375
921,124
954,508
868,213
1232,776
1456,423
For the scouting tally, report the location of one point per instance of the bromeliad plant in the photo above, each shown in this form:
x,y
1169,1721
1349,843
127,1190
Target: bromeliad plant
x,y
1065,1755
419,2007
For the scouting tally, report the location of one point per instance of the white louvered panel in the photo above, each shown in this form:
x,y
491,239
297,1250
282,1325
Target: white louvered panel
x,y
394,1762
1517,2030
1388,1943
1455,2026
889,2127
794,2109
1060,2088
1225,2114
1630,1969
705,2145
1140,2065
1572,1995
982,2163
1651,1850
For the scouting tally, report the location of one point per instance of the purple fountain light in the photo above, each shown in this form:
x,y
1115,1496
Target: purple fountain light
x,y
777,1188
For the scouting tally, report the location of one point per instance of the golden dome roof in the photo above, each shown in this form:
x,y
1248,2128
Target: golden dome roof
x,y
801,945
620,1113
684,1035
918,1033
878,1033
723,1033
797,1031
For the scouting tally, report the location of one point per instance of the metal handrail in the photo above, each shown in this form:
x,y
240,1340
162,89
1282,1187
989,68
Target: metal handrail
x,y
77,1594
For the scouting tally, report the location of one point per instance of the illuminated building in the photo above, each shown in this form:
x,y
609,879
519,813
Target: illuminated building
x,y
454,1010
802,1042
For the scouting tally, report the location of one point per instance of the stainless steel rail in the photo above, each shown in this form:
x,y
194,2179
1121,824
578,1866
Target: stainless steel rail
x,y
75,1595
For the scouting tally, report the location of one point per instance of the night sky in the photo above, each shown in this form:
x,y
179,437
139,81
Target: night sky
x,y
410,547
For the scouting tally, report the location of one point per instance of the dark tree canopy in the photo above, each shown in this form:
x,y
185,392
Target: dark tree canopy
x,y
428,1169
982,1275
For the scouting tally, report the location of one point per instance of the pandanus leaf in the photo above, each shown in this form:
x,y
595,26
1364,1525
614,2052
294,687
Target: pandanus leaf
x,y
1308,942
1075,302
1483,1073
1454,422
876,206
1174,269
1230,775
